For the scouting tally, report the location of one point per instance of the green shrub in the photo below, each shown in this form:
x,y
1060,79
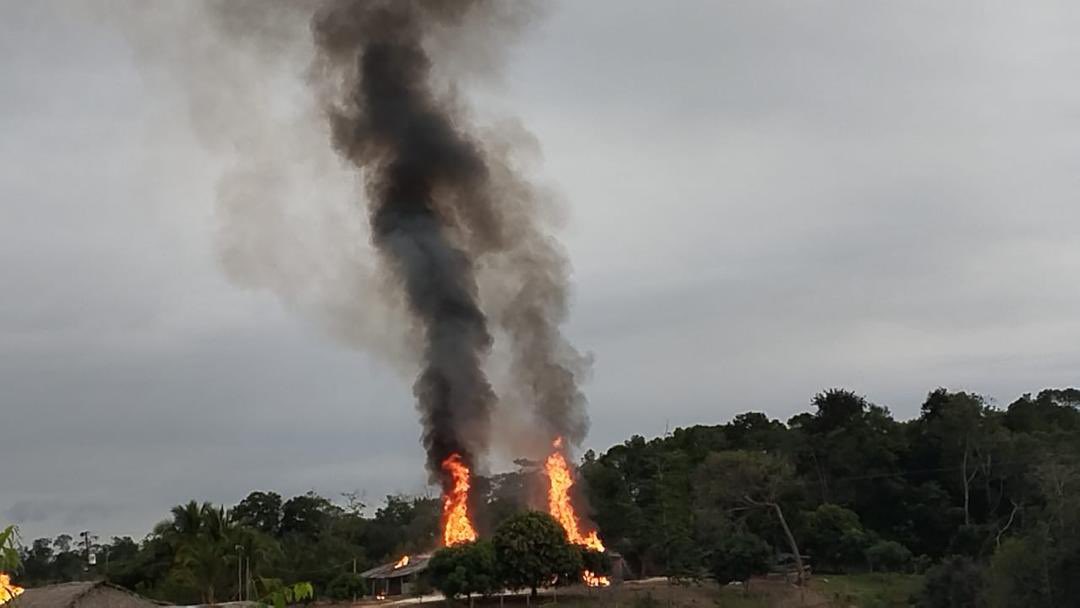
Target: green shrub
x,y
888,556
347,586
954,583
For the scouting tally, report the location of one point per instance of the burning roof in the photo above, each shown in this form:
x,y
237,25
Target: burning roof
x,y
415,564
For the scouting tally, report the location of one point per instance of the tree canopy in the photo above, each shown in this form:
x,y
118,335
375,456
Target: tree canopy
x,y
987,496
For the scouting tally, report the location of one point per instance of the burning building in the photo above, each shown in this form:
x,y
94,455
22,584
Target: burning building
x,y
396,578
561,506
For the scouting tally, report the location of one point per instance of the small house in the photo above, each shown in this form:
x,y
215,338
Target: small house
x,y
396,578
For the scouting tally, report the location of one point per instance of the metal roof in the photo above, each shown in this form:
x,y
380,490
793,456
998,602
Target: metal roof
x,y
417,563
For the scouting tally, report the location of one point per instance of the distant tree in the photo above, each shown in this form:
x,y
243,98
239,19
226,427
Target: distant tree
x,y
465,570
532,552
737,481
964,433
307,515
842,448
260,510
834,536
62,543
403,524
37,561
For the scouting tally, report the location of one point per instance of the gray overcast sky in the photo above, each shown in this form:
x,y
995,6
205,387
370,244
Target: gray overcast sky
x,y
764,199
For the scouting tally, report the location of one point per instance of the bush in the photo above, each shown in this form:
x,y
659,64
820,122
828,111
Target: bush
x,y
888,556
346,586
834,537
1016,576
737,557
954,583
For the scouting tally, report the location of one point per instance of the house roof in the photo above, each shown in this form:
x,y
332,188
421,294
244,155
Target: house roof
x,y
80,595
417,563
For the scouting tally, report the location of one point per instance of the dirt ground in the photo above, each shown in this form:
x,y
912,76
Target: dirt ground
x,y
651,593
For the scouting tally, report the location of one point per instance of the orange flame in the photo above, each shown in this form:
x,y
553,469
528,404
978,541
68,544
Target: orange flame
x,y
401,563
457,528
560,481
592,579
8,589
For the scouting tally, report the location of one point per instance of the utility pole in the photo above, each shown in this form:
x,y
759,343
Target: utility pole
x,y
87,542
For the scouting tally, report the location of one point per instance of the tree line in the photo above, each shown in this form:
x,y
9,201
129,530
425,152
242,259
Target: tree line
x,y
985,500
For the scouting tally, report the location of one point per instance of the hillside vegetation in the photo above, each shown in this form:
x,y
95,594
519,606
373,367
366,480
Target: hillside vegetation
x,y
983,503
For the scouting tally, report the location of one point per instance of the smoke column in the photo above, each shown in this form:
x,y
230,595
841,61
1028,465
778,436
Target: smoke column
x,y
462,239
425,182
439,200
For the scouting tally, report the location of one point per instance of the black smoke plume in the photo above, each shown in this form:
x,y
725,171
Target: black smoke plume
x,y
426,185
440,202
465,264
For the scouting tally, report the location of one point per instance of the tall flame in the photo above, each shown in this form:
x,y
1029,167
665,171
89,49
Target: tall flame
x,y
457,528
562,509
401,563
8,589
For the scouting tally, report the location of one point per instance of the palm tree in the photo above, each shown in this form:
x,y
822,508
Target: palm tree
x,y
217,523
204,564
188,519
201,538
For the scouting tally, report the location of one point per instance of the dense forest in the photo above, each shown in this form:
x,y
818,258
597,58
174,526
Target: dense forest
x,y
985,501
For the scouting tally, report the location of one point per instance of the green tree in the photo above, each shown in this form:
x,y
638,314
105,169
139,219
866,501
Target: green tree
x,y
834,537
532,552
260,510
37,561
738,481
738,556
465,570
10,560
308,515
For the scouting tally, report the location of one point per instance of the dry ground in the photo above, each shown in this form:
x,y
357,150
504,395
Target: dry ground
x,y
652,593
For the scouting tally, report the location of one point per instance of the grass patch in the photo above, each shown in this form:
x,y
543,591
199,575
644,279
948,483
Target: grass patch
x,y
736,598
877,590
